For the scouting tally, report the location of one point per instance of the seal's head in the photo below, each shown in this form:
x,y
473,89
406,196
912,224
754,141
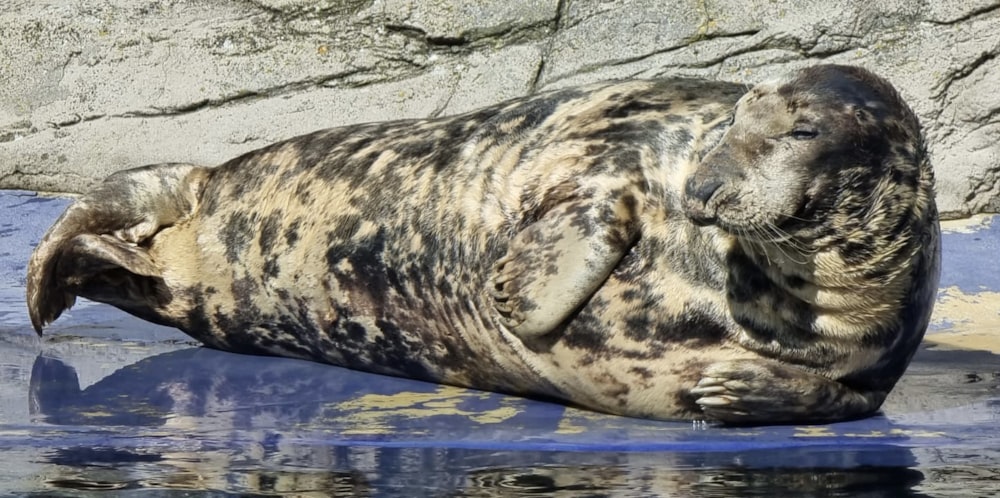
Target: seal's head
x,y
823,184
806,153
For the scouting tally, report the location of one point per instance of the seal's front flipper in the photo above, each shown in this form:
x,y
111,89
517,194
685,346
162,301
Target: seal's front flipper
x,y
103,233
555,264
767,392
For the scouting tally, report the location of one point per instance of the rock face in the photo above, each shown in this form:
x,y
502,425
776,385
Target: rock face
x,y
87,88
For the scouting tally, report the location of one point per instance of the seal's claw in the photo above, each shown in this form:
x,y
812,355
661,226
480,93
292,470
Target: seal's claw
x,y
711,401
706,389
732,391
509,323
553,266
762,391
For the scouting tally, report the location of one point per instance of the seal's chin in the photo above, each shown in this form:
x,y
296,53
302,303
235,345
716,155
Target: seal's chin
x,y
768,231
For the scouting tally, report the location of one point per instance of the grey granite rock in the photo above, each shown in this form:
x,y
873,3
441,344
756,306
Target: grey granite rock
x,y
88,88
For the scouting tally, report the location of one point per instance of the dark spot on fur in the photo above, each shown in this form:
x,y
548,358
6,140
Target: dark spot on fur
x,y
594,150
631,294
394,349
292,233
197,322
696,329
858,251
271,267
356,332
269,230
438,154
633,106
693,327
274,343
642,372
368,272
678,119
630,130
337,253
244,291
746,280
444,287
585,332
760,333
680,137
581,220
638,327
794,281
528,114
235,236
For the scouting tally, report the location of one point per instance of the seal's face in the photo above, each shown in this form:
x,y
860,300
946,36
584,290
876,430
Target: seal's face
x,y
798,151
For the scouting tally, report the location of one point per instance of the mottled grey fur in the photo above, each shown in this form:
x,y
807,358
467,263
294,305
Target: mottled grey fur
x,y
635,247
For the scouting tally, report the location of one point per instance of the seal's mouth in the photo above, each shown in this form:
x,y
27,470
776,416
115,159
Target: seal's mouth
x,y
700,217
761,229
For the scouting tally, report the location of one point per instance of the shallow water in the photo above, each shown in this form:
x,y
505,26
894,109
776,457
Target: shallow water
x,y
409,472
108,405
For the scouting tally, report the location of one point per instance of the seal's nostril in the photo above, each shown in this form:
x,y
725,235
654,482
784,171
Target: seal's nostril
x,y
701,190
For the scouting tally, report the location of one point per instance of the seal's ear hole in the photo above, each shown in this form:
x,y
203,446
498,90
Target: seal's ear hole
x,y
863,115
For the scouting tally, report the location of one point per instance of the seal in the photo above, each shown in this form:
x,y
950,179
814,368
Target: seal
x,y
672,249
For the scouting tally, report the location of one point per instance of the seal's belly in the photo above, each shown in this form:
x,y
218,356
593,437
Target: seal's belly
x,y
366,302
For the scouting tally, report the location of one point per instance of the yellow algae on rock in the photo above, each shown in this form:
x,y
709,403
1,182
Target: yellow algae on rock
x,y
576,421
971,224
916,433
870,434
813,431
973,320
378,413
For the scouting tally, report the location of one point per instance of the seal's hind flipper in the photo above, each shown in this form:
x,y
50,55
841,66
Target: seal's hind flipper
x,y
763,391
104,230
555,264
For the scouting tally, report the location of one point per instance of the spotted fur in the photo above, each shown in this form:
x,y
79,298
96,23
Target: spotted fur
x,y
635,247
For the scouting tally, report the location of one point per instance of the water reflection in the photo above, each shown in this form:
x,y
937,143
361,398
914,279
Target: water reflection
x,y
201,421
367,471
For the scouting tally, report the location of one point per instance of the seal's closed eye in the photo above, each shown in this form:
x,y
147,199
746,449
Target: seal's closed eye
x,y
804,132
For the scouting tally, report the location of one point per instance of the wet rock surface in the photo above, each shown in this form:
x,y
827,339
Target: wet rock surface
x,y
90,88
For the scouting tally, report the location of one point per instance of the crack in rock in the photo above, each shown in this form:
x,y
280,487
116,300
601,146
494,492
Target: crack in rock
x,y
969,16
944,86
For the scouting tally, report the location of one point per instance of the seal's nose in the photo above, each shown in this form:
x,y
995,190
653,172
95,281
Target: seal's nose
x,y
697,192
702,190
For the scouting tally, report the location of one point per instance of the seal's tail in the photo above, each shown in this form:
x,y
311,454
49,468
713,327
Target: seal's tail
x,y
46,294
102,234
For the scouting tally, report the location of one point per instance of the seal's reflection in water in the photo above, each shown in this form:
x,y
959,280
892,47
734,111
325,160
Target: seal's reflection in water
x,y
201,420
